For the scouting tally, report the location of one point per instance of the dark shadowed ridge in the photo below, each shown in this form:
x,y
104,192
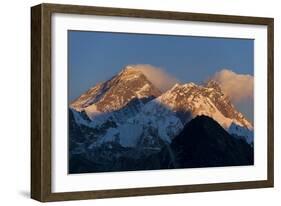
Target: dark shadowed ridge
x,y
204,143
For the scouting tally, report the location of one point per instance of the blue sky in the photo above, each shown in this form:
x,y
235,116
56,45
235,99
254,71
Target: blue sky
x,y
96,56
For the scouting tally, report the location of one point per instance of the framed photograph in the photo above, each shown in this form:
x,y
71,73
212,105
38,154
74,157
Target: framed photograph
x,y
130,102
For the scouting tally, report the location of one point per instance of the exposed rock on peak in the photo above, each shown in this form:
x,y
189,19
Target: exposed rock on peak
x,y
129,85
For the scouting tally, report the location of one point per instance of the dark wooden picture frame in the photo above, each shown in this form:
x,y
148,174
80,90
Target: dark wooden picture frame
x,y
41,101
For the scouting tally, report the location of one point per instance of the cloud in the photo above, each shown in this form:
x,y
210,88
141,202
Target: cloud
x,y
157,76
239,87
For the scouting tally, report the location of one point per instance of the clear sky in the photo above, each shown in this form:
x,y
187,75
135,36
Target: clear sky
x,y
96,56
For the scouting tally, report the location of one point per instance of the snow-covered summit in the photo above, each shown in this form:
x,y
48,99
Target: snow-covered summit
x,y
190,100
128,85
223,103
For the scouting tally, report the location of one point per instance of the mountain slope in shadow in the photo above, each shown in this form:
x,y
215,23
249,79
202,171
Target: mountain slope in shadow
x,y
204,143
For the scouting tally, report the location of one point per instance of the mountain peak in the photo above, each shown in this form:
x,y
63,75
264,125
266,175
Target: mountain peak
x,y
205,139
130,69
130,72
181,87
204,100
128,85
214,85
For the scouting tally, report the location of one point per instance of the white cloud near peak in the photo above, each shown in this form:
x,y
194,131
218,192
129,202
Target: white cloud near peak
x,y
239,87
160,78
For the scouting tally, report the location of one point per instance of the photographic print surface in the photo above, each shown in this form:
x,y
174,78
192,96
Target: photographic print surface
x,y
150,102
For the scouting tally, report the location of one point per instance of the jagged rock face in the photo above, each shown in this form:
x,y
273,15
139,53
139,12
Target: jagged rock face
x,y
129,85
191,100
224,105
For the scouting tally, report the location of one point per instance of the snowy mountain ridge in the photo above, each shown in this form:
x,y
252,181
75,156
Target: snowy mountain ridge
x,y
144,116
116,93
